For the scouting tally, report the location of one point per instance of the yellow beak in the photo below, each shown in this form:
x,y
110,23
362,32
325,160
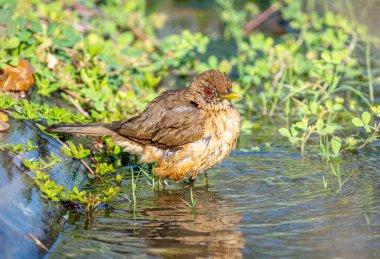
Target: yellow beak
x,y
230,96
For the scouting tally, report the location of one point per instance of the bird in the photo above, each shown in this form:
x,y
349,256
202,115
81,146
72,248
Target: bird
x,y
184,131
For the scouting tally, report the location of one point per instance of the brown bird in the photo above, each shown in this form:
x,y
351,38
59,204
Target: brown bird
x,y
185,131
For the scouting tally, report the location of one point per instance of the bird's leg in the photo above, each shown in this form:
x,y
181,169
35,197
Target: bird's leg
x,y
206,178
159,183
162,182
193,176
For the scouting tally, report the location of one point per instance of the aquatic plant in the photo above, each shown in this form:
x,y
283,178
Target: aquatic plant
x,y
311,79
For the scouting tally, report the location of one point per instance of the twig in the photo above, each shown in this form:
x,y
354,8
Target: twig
x,y
133,64
87,166
278,75
38,242
177,72
78,106
74,95
252,24
371,138
321,88
82,161
298,101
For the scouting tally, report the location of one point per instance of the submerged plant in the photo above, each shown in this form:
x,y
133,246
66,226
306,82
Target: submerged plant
x,y
339,176
192,202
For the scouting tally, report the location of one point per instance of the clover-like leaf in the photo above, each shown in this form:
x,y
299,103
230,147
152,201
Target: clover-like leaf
x,y
357,122
319,124
367,128
284,132
376,110
366,117
336,144
75,189
294,140
12,43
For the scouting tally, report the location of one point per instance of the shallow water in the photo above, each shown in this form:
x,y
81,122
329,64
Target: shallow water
x,y
265,203
270,202
23,212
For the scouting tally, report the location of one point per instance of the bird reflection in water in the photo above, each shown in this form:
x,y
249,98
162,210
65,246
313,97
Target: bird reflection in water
x,y
176,230
162,225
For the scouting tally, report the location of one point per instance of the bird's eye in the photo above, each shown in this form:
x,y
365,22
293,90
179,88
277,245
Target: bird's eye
x,y
208,92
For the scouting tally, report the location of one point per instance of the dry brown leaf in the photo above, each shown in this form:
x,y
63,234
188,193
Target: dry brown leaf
x,y
15,79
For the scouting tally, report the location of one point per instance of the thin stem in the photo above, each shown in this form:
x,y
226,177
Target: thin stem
x,y
262,17
81,160
369,73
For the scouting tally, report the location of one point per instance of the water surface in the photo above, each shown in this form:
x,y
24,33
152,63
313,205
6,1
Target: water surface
x,y
265,203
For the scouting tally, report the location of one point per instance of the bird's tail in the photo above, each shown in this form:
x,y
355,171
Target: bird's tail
x,y
93,129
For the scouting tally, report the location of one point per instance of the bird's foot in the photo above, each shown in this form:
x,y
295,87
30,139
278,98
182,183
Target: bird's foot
x,y
206,177
162,183
193,177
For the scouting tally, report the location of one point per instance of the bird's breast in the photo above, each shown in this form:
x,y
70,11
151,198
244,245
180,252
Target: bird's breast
x,y
222,131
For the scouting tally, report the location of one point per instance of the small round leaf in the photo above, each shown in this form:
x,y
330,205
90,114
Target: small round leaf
x,y
357,122
284,132
336,144
366,117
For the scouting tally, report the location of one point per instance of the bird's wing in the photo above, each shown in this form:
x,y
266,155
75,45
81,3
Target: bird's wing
x,y
165,123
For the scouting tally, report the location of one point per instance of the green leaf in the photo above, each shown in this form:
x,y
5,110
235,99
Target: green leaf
x,y
66,151
326,56
366,117
367,128
36,26
213,61
336,144
294,140
314,107
329,105
337,107
284,132
319,124
12,43
294,130
357,122
14,61
303,124
376,110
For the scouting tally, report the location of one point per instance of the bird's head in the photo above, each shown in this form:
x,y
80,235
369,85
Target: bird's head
x,y
212,90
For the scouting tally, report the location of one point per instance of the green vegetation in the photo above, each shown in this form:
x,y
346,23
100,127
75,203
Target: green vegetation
x,y
192,202
312,80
